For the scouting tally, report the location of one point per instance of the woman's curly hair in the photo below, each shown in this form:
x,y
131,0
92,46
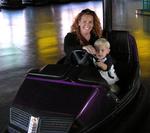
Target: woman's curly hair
x,y
97,30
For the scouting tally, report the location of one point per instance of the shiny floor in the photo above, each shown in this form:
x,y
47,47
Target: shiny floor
x,y
33,36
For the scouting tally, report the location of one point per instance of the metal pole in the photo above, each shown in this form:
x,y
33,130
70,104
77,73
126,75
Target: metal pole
x,y
107,15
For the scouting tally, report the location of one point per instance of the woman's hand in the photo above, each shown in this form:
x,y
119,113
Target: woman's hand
x,y
90,49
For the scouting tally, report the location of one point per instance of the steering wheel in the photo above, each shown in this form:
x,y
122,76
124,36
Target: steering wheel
x,y
81,57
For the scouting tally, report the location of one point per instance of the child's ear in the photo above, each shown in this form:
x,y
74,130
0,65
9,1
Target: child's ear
x,y
108,50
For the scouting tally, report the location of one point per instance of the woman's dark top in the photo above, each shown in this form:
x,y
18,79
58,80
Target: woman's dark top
x,y
71,42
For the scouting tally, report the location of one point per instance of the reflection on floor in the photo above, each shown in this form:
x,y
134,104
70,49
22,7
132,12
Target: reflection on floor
x,y
33,37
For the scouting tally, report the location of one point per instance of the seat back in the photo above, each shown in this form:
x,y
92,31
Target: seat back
x,y
123,53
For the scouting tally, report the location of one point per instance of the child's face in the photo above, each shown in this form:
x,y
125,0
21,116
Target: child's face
x,y
102,51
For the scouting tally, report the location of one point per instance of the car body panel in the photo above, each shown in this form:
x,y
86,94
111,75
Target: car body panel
x,y
76,94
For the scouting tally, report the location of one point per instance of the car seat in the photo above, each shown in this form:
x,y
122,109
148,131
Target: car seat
x,y
123,50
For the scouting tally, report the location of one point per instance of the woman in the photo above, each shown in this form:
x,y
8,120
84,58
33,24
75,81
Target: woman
x,y
85,30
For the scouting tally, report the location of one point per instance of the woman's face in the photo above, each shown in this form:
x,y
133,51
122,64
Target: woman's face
x,y
86,24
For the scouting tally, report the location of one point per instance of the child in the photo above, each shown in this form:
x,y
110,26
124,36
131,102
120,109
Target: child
x,y
104,63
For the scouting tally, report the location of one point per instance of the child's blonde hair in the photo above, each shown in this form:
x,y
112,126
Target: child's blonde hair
x,y
102,41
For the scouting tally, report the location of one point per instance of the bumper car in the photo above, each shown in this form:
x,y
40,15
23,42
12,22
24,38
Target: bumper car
x,y
13,4
35,2
44,2
61,98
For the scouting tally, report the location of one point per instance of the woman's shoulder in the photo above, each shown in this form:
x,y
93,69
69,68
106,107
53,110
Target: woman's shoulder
x,y
71,34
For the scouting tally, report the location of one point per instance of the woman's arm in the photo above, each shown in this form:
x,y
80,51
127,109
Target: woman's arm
x,y
71,43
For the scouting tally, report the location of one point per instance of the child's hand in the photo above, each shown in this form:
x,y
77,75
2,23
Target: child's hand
x,y
101,65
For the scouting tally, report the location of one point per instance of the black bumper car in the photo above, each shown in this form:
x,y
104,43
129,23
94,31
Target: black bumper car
x,y
60,98
12,4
